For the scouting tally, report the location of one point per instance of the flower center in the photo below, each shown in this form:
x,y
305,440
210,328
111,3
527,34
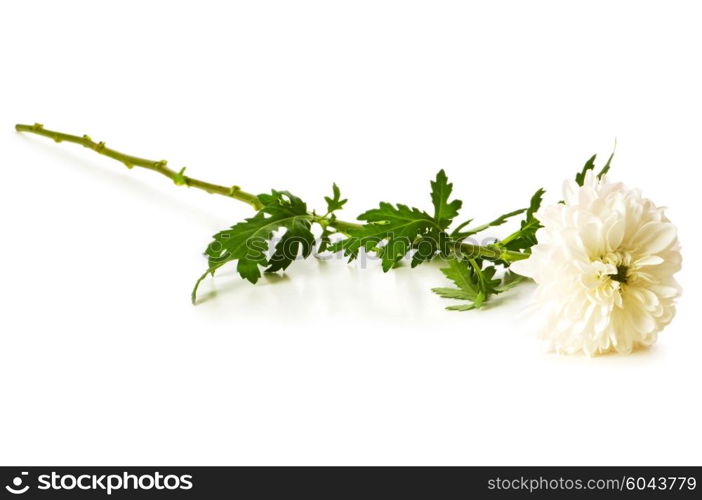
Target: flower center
x,y
621,274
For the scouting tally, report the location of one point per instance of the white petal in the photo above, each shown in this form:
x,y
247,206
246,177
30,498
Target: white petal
x,y
649,260
655,237
615,234
664,291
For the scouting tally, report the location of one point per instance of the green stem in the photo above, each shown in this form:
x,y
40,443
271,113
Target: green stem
x,y
490,252
130,161
341,226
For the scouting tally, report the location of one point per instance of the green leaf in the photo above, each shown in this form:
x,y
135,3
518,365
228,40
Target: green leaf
x,y
248,241
460,272
525,237
486,282
589,165
335,203
535,203
510,280
462,307
393,230
430,244
460,226
454,293
497,222
605,169
473,283
298,239
444,211
399,227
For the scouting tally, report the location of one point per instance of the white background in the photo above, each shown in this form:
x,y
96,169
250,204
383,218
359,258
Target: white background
x,y
104,361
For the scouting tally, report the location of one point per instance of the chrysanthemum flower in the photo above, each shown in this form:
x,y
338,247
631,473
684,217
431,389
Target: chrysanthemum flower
x,y
604,267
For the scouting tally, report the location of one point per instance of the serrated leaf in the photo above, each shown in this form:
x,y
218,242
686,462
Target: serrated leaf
x,y
399,228
535,203
589,165
486,284
392,231
248,269
334,203
247,242
477,302
462,307
473,283
424,250
348,246
510,280
497,222
444,210
430,244
461,226
459,272
453,293
605,169
525,237
298,239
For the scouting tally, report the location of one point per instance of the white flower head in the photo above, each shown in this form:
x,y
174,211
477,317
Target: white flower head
x,y
604,267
